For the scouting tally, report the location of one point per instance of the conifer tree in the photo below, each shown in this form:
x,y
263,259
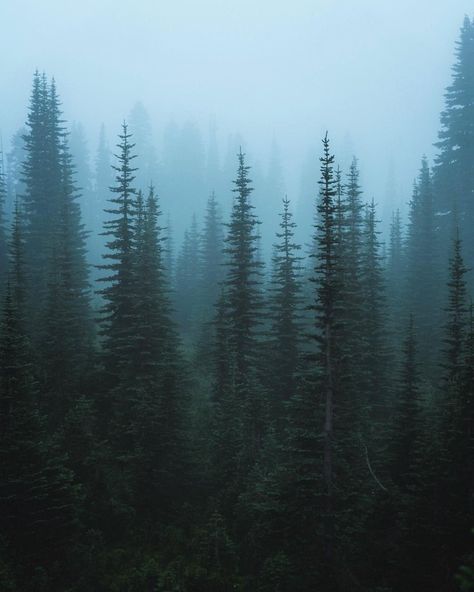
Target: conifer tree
x,y
187,285
285,309
157,410
244,301
243,272
211,276
66,326
374,359
348,329
408,425
153,306
421,260
454,174
395,270
327,291
455,479
40,176
226,426
211,254
38,500
17,271
169,250
456,310
54,238
3,240
119,293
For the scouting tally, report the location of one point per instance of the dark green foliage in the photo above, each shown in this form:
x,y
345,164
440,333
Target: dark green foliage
x,y
349,326
243,300
40,211
66,324
454,173
456,311
243,273
119,293
422,258
326,302
408,423
285,311
374,361
56,275
38,501
3,239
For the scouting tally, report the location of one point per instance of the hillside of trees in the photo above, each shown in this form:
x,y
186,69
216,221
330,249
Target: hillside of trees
x,y
188,412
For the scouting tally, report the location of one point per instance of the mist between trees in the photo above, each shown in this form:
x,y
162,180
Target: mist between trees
x,y
236,394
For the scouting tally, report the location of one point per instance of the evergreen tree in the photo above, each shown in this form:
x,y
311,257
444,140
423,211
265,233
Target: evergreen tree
x,y
348,329
421,261
374,360
325,304
395,272
243,297
67,326
211,254
3,240
453,353
187,285
38,501
169,251
225,425
454,173
211,275
455,477
119,293
285,310
243,272
158,411
54,238
41,179
17,271
152,306
408,425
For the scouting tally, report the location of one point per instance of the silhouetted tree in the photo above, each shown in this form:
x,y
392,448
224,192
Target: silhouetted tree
x,y
285,310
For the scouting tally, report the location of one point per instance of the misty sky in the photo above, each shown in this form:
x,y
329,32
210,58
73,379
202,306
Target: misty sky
x,y
373,72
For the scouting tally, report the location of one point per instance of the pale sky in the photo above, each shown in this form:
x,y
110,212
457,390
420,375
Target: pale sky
x,y
373,71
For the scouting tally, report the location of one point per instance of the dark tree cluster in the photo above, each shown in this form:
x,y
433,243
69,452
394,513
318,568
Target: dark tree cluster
x,y
216,419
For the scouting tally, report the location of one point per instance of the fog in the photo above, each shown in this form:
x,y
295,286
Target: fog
x,y
204,385
372,73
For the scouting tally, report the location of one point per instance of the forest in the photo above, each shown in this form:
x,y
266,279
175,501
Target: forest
x,y
256,398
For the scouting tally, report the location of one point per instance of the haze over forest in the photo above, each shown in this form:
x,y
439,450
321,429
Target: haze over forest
x,y
236,296
373,73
